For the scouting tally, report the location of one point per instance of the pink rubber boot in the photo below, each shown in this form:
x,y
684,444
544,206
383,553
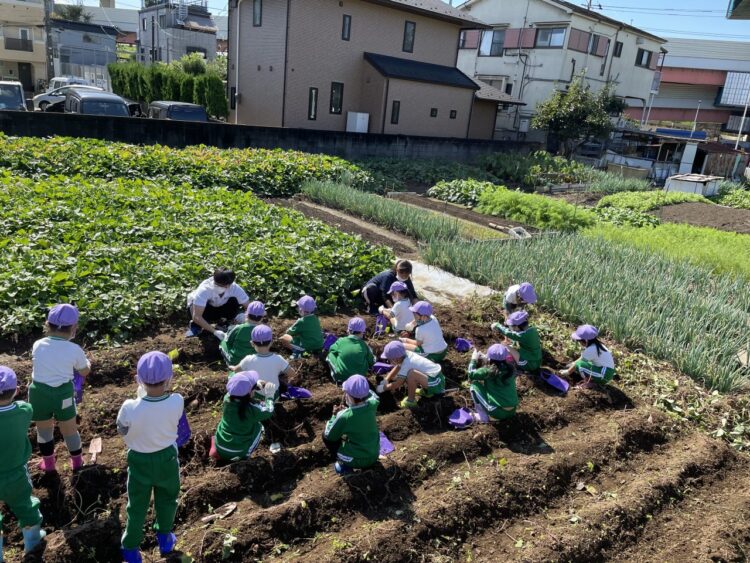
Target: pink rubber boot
x,y
76,461
48,464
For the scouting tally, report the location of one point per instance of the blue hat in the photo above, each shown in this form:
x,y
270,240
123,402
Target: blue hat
x,y
154,368
242,383
357,386
8,379
63,314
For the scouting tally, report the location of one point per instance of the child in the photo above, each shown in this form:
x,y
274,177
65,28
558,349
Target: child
x,y
149,427
493,387
352,433
419,373
528,353
517,296
350,355
305,335
15,484
271,368
428,336
237,343
55,360
375,291
400,314
596,362
240,429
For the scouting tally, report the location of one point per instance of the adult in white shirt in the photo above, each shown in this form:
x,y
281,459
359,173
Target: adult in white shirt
x,y
217,299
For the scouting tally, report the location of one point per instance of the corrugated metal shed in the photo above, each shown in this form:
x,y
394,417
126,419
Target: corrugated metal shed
x,y
708,54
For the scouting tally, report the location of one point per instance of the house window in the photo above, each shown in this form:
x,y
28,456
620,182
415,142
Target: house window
x,y
469,39
409,30
24,34
492,43
594,44
143,24
312,104
395,112
618,49
433,112
346,28
551,37
162,21
643,58
337,97
509,89
454,113
257,13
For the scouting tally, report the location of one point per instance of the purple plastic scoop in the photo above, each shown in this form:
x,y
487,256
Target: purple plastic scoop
x,y
381,324
329,340
463,345
386,446
554,380
381,368
296,393
78,387
183,431
461,418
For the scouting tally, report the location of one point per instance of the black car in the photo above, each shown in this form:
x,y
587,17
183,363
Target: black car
x,y
181,111
88,102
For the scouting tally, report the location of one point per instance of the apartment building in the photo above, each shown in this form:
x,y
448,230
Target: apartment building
x,y
23,51
377,66
169,30
703,80
83,50
535,47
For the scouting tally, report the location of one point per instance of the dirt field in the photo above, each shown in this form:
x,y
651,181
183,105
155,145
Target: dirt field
x,y
594,475
706,215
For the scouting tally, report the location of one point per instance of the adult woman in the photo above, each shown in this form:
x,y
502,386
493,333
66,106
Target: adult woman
x,y
375,291
217,299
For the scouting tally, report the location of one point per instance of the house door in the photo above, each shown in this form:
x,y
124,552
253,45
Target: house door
x,y
24,76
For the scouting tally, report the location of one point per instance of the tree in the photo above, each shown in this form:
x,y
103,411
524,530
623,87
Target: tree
x,y
72,12
575,115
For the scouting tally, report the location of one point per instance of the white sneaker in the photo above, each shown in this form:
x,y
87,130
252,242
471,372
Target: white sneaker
x,y
275,448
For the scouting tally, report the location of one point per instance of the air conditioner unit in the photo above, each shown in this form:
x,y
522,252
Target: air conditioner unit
x,y
357,122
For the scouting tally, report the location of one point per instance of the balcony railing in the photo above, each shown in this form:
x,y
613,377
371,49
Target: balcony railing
x,y
14,44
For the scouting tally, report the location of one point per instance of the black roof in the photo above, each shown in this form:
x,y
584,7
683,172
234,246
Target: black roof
x,y
96,94
85,27
406,69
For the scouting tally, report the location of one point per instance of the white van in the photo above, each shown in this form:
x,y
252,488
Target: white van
x,y
60,81
11,95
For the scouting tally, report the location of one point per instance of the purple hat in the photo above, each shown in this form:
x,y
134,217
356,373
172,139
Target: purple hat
x,y
306,304
527,293
421,308
517,318
394,350
262,333
256,309
357,386
63,315
7,379
357,324
463,345
397,286
497,352
154,368
585,332
242,383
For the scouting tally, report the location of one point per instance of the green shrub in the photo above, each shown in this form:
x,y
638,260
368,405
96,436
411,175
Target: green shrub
x,y
128,251
624,216
539,168
536,210
733,194
647,201
609,183
465,192
671,309
398,174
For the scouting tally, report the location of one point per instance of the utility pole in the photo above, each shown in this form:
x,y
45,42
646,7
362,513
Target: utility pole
x,y
153,39
742,121
695,121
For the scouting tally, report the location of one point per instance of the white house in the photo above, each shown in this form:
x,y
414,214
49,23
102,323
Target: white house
x,y
538,46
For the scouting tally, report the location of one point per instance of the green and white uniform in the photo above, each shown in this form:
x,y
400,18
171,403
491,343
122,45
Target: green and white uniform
x,y
238,343
529,346
236,438
306,333
600,366
270,368
357,427
15,483
51,391
495,394
349,356
433,371
149,428
432,343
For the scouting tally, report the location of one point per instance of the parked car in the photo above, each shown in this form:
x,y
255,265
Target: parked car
x,y
60,81
93,102
41,101
177,110
11,95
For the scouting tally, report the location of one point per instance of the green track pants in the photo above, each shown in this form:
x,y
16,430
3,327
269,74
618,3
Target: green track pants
x,y
15,491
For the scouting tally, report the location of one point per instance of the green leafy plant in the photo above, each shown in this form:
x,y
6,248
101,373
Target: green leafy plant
x,y
465,192
647,201
624,216
733,194
398,174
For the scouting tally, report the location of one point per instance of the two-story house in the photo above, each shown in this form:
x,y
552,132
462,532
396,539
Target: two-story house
x,y
23,51
168,30
538,46
83,50
380,66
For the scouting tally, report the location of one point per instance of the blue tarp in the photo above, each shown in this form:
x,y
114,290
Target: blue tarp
x,y
683,133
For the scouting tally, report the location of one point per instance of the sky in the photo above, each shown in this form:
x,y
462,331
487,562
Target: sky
x,y
699,19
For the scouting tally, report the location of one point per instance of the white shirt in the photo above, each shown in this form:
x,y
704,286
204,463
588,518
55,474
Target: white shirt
x,y
603,359
269,366
54,359
209,294
419,363
430,335
511,295
151,422
402,314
